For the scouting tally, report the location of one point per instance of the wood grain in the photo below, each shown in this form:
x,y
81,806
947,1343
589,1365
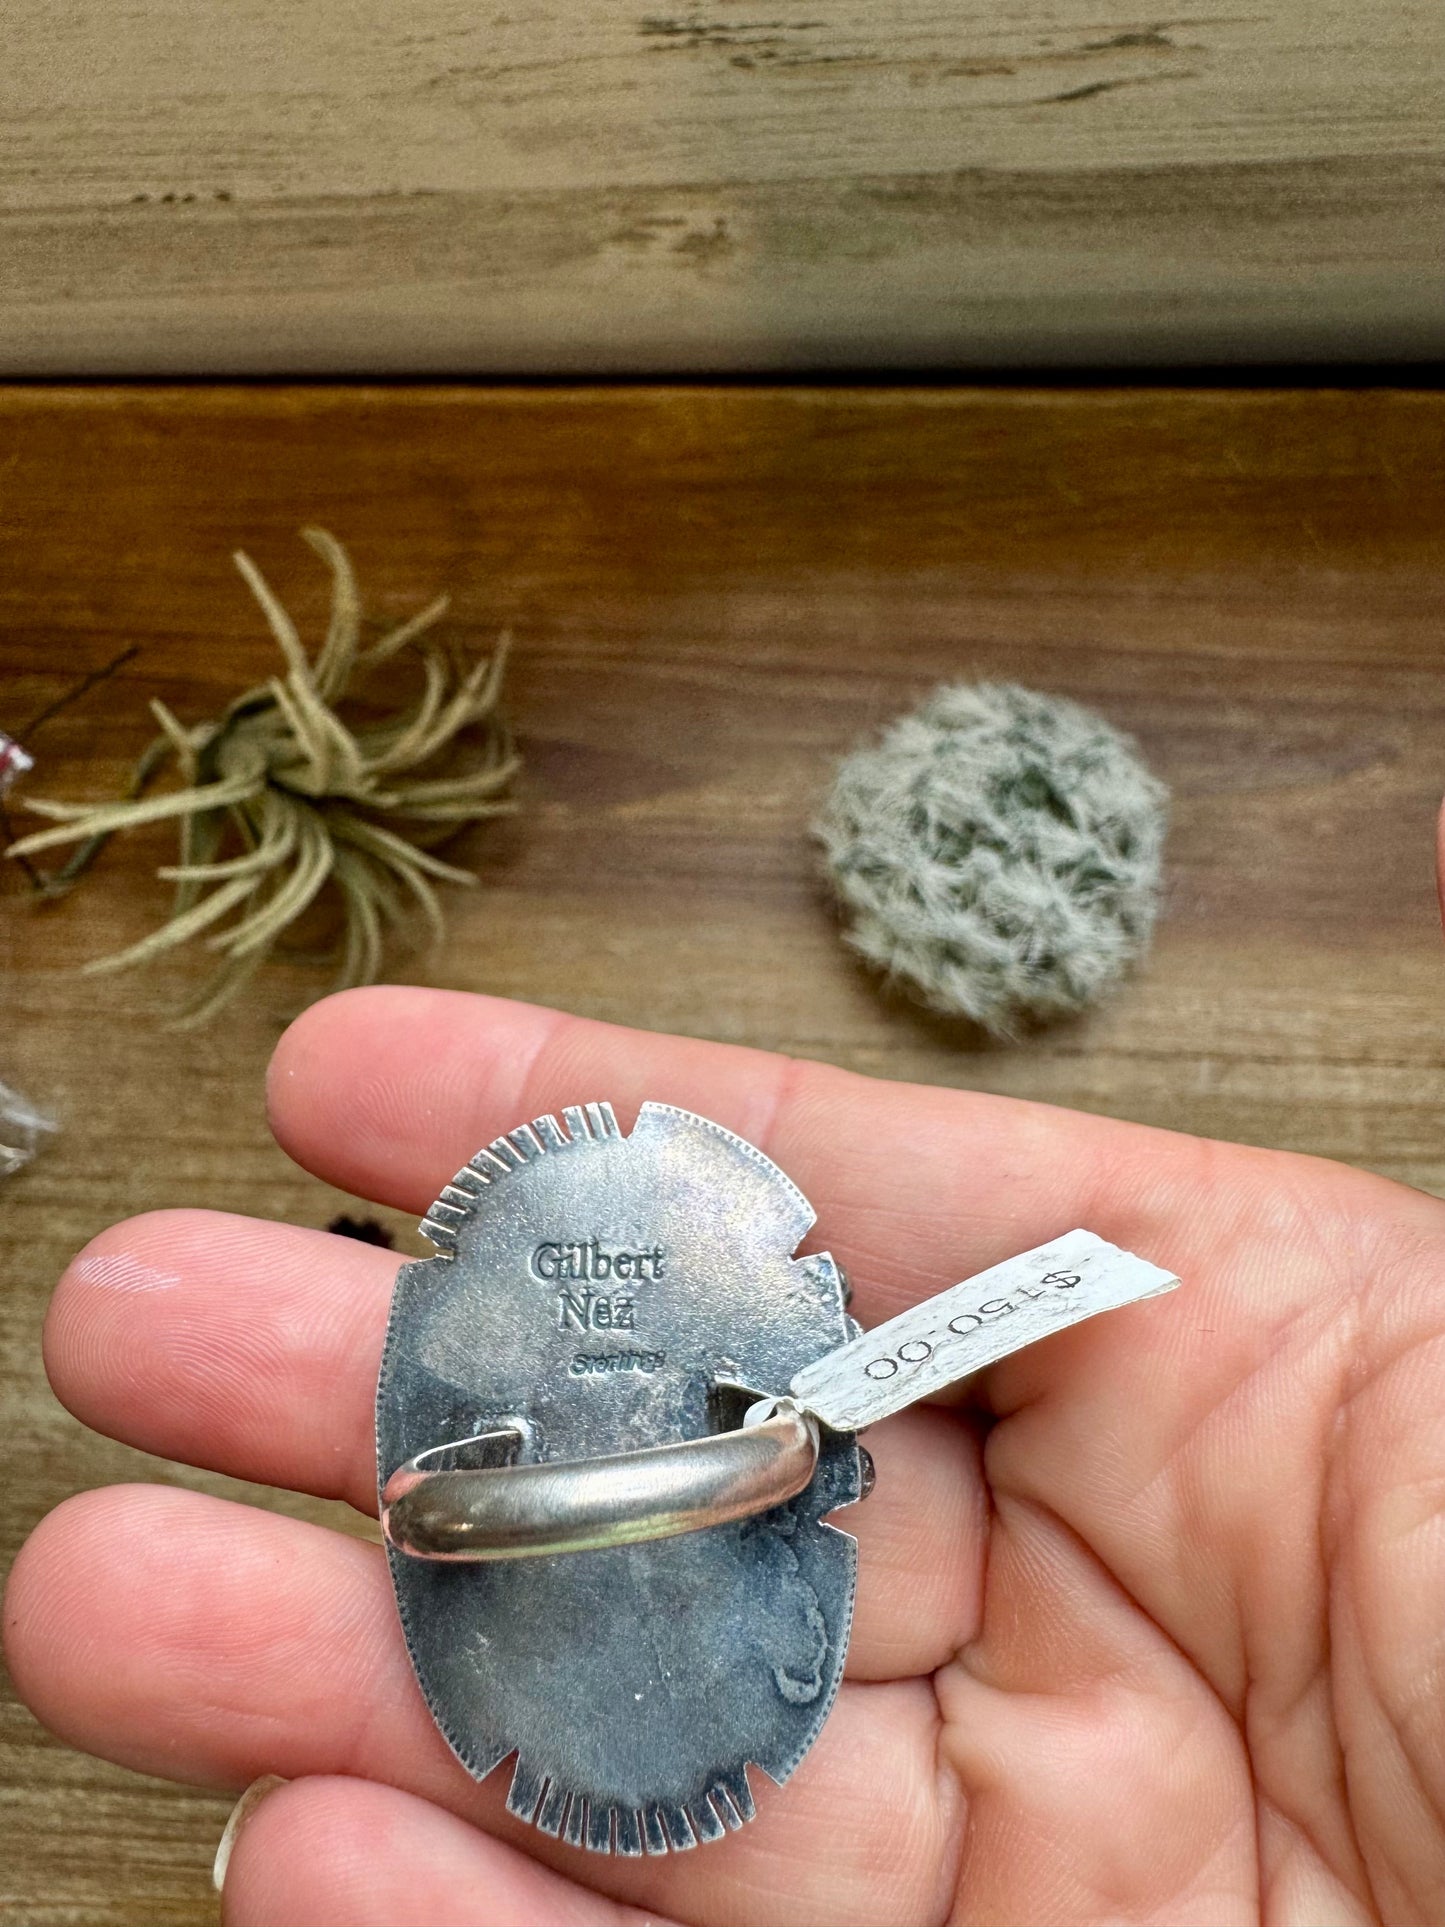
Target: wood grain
x,y
556,188
715,593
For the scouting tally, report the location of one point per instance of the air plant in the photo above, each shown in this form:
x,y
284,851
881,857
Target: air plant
x,y
282,798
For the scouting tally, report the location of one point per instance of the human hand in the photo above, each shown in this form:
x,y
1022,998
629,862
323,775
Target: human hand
x,y
1150,1629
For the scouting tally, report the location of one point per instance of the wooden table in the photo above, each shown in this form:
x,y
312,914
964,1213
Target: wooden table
x,y
715,592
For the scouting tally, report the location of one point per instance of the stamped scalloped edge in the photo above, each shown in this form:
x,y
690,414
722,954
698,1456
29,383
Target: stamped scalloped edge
x,y
630,1831
581,1124
513,1151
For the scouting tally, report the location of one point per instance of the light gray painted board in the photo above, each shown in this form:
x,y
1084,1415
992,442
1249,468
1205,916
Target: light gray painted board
x,y
442,185
350,186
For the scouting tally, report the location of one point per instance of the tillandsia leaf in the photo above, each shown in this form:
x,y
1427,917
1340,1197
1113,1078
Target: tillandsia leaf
x,y
361,957
184,742
56,883
350,776
396,748
329,743
475,698
282,796
84,819
479,783
428,902
263,925
453,813
217,992
408,865
306,772
394,849
273,843
343,634
282,627
409,630
201,837
178,930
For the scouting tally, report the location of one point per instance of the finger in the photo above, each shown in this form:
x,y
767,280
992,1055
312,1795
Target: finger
x,y
246,1347
349,1853
235,1643
388,1092
1076,1725
253,1349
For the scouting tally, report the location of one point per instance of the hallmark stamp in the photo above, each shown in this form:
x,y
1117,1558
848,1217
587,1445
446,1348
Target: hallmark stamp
x,y
594,1311
592,1262
597,1364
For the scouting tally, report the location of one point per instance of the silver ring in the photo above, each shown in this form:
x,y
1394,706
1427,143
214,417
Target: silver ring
x,y
430,1509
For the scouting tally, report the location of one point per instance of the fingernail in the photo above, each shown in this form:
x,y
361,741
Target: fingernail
x,y
240,1814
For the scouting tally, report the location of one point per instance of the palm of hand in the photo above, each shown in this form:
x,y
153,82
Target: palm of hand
x,y
1153,1634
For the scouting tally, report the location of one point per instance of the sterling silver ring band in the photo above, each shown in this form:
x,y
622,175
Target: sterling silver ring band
x,y
431,1509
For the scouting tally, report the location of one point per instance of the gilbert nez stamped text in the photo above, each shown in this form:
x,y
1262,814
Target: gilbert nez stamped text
x,y
576,1269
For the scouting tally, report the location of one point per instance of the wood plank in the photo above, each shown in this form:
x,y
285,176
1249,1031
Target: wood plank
x,y
554,188
716,592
